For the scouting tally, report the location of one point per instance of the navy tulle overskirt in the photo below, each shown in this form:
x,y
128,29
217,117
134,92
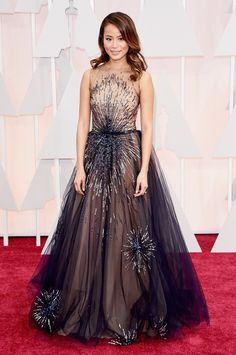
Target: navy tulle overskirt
x,y
117,265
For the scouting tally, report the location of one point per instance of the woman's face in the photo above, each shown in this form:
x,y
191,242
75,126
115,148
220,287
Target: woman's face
x,y
115,46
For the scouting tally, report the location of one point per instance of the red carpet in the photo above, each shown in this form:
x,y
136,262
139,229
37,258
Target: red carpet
x,y
216,272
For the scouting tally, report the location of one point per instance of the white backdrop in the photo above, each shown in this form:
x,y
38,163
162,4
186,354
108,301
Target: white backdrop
x,y
189,47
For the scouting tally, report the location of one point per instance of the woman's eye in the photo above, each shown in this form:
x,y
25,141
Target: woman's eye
x,y
108,39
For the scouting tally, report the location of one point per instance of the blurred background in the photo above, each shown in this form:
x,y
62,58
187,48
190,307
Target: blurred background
x,y
190,49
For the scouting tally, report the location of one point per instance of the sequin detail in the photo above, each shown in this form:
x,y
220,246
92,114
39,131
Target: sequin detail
x,y
127,338
139,249
108,155
112,148
46,307
160,324
114,103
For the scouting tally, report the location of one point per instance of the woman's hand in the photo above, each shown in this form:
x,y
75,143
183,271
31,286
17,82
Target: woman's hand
x,y
141,184
79,181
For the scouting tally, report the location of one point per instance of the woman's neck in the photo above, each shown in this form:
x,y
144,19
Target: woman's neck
x,y
117,65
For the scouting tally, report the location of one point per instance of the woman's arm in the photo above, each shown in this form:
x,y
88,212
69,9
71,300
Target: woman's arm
x,y
146,110
84,120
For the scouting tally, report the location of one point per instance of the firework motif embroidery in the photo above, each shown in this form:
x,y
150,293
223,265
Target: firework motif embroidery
x,y
128,337
46,308
139,249
113,151
114,102
162,327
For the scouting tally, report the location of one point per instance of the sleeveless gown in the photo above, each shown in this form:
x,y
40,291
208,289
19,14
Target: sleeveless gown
x,y
117,265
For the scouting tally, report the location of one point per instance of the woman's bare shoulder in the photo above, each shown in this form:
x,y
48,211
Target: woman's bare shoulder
x,y
146,79
87,72
90,71
145,76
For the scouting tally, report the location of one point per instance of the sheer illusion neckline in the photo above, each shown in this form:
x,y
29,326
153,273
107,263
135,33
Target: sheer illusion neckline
x,y
104,75
109,69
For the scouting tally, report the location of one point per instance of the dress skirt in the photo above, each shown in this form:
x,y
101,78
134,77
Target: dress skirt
x,y
117,265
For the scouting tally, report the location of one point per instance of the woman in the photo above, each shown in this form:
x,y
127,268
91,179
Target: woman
x,y
118,265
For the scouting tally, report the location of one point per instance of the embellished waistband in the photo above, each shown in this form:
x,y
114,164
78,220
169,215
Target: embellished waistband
x,y
113,132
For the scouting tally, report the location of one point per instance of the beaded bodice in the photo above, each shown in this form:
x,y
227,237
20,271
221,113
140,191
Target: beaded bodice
x,y
114,99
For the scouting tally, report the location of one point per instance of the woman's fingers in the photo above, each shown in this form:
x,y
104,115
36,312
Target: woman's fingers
x,y
140,189
83,185
137,188
80,186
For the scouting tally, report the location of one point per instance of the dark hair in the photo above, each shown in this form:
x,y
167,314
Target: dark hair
x,y
128,31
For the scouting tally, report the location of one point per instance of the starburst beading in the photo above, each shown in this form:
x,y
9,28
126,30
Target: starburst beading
x,y
127,338
139,249
160,324
46,308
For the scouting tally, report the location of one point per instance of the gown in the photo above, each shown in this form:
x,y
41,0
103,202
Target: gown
x,y
117,266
